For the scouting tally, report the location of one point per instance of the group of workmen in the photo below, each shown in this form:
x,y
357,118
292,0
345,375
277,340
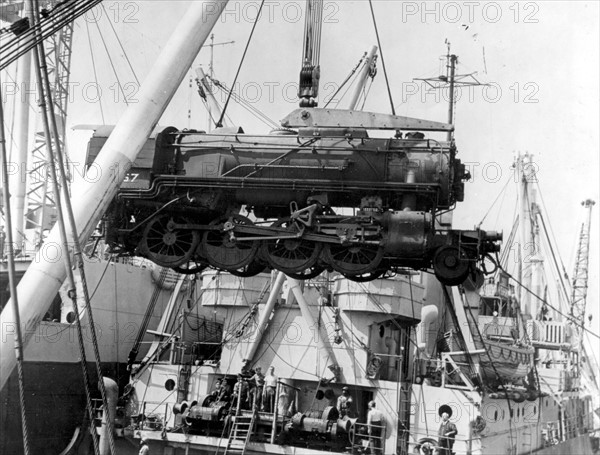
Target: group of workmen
x,y
256,392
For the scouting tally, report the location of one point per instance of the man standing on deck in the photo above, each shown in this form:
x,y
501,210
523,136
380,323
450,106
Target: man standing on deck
x,y
257,384
447,431
375,425
269,392
344,403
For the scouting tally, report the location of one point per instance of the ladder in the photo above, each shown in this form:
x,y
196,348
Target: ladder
x,y
239,435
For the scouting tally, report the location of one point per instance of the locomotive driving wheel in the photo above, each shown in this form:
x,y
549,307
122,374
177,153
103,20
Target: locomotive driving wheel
x,y
291,256
167,246
225,249
354,260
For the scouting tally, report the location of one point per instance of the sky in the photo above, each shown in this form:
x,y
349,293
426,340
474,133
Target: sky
x,y
540,61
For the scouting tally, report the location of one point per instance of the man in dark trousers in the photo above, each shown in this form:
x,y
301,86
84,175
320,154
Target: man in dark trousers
x,y
375,424
447,431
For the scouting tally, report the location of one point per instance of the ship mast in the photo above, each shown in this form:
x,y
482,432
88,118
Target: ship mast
x,y
451,81
524,167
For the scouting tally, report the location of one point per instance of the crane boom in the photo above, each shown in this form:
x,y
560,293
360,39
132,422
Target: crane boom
x,y
580,274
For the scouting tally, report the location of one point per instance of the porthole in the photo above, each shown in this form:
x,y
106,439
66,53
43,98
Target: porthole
x,y
71,317
170,385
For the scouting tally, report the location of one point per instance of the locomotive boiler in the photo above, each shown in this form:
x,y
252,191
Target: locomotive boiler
x,y
320,193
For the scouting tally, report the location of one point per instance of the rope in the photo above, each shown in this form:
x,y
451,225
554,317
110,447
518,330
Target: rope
x,y
262,3
387,82
18,340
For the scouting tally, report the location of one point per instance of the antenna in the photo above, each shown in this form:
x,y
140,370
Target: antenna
x,y
451,80
211,70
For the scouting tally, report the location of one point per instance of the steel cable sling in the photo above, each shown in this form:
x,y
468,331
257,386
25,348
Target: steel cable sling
x,y
54,21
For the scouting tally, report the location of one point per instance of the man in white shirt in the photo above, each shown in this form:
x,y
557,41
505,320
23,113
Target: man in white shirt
x,y
269,392
375,424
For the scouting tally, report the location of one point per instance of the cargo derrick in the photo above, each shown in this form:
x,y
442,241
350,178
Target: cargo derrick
x,y
316,198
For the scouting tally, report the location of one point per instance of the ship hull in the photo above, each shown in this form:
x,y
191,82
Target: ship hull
x,y
580,445
55,405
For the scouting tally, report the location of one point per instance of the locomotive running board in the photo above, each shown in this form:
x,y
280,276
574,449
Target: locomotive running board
x,y
340,118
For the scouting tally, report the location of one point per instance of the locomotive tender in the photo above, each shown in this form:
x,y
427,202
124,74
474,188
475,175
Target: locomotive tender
x,y
318,194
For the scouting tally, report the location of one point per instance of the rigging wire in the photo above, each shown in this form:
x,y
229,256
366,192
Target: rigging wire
x,y
112,65
566,316
243,103
18,338
87,26
77,250
551,230
262,3
40,66
502,191
387,82
352,73
63,14
121,46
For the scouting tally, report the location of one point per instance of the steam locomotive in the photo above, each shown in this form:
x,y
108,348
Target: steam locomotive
x,y
319,193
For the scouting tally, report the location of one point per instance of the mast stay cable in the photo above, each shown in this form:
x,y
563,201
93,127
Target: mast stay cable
x,y
18,339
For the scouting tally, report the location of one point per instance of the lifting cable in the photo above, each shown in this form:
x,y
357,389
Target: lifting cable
x,y
47,109
18,339
220,122
387,82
